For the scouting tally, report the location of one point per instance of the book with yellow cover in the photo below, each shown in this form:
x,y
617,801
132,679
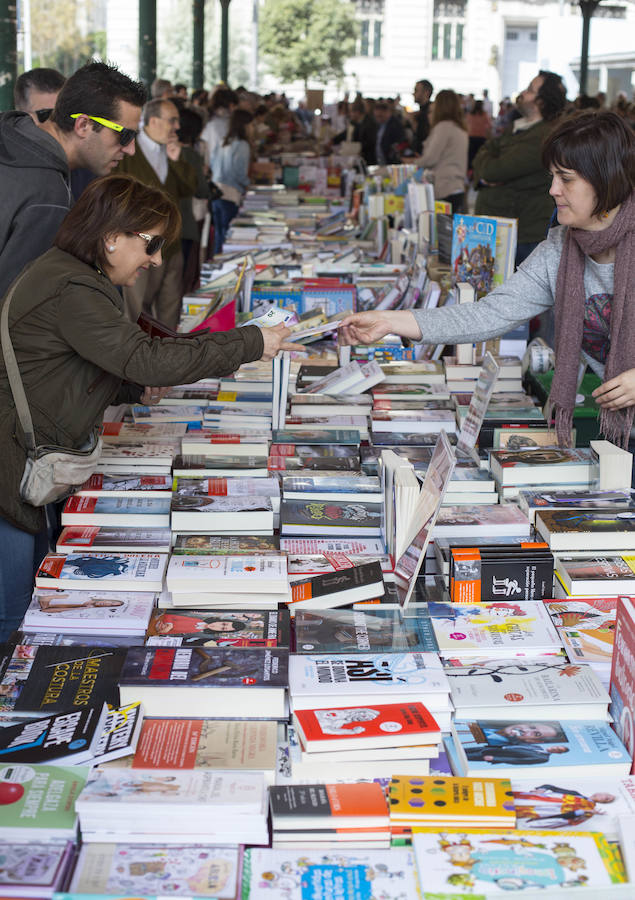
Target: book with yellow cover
x,y
440,800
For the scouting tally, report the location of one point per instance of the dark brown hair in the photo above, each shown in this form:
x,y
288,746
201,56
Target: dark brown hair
x,y
600,147
115,203
447,107
238,122
96,90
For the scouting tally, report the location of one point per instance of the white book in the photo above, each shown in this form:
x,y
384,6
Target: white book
x,y
501,629
231,574
227,514
148,512
89,611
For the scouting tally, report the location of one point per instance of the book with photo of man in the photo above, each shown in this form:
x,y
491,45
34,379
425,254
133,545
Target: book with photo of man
x,y
518,748
361,631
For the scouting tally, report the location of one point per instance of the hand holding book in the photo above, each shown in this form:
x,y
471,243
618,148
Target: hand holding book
x,y
373,325
274,340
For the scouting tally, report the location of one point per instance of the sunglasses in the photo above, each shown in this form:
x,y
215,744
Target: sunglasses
x,y
43,114
154,242
126,135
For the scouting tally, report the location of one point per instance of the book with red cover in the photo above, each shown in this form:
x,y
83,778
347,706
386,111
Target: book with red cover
x,y
309,806
378,725
622,686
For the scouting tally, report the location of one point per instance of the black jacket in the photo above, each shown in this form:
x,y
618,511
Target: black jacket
x,y
34,190
394,134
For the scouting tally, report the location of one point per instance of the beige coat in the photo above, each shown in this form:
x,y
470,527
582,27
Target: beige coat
x,y
445,155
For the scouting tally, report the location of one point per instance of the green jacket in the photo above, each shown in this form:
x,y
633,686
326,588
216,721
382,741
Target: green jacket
x,y
520,187
75,347
180,182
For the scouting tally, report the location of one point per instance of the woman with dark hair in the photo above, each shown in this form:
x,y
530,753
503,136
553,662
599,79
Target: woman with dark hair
x,y
230,168
585,270
75,348
445,150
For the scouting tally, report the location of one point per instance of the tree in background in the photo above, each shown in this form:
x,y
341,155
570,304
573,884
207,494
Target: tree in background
x,y
174,46
63,34
308,39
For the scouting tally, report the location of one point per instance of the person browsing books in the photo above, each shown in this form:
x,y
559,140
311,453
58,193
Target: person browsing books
x,y
445,150
77,353
585,269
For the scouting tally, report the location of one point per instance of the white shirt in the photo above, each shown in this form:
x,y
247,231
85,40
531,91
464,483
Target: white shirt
x,y
156,154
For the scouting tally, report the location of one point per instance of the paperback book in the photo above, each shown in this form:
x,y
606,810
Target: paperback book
x,y
226,628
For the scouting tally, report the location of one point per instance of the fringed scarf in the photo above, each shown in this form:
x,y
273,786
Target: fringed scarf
x,y
615,424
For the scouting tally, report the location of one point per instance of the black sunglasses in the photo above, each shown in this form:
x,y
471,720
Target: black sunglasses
x,y
43,115
154,242
126,135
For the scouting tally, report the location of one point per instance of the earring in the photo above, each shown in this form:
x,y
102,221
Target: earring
x,y
111,248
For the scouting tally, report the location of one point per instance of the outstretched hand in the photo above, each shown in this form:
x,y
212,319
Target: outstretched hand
x,y
275,339
618,392
373,325
153,395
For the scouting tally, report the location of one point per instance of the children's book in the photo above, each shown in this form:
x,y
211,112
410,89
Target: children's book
x,y
138,871
527,862
298,874
474,251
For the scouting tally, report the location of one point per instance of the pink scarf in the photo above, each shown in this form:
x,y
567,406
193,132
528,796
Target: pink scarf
x,y
615,424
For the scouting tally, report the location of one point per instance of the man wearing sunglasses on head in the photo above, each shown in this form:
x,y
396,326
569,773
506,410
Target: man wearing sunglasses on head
x,y
93,126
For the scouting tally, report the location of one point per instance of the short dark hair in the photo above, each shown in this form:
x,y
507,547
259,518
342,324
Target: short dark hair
x,y
115,203
96,90
49,81
222,98
427,85
190,126
551,98
600,147
238,122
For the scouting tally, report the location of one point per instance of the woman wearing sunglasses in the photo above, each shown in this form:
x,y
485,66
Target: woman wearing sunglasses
x,y
77,353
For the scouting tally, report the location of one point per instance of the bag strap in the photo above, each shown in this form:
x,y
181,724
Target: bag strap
x,y
13,372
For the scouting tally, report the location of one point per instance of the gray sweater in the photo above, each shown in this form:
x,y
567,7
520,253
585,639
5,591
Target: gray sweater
x,y
530,291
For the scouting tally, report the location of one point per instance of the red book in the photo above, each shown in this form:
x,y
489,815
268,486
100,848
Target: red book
x,y
356,728
622,687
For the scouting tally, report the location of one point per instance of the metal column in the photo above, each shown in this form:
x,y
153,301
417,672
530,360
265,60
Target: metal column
x,y
147,41
224,40
198,43
8,52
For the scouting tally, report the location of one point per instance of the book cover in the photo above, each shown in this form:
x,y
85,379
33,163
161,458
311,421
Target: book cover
x,y
521,861
317,436
426,798
204,744
120,571
480,575
474,251
34,869
185,667
382,724
120,733
210,628
501,627
554,745
115,509
583,804
124,432
67,738
228,573
326,563
593,529
342,586
39,801
301,875
108,538
142,871
365,546
354,517
100,483
225,545
296,805
622,686
338,675
89,610
516,689
47,679
362,631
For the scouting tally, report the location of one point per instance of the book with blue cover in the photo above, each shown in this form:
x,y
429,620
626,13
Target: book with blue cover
x,y
522,748
474,251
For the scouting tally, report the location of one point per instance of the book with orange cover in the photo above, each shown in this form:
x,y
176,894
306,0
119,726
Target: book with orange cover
x,y
305,807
